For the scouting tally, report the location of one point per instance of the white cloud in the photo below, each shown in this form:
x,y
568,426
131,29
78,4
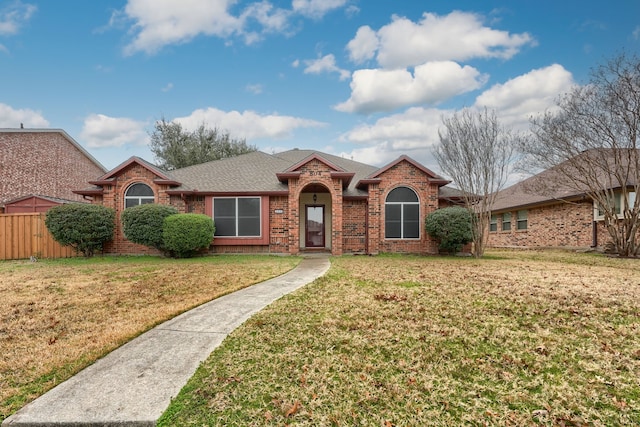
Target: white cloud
x,y
247,124
316,8
168,87
159,23
524,96
326,64
14,15
456,36
12,118
417,127
636,33
364,45
413,132
162,22
255,89
100,131
270,18
431,83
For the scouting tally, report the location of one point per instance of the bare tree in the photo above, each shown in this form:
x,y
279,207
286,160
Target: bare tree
x,y
476,152
175,147
590,142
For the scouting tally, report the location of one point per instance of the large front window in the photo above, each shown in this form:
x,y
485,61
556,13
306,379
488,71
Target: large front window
x,y
237,216
138,194
402,214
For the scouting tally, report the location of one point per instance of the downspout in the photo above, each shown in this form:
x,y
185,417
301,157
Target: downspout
x,y
594,234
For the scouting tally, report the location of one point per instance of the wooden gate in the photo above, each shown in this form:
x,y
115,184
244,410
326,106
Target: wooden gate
x,y
25,235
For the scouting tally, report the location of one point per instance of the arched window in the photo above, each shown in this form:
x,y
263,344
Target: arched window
x,y
402,214
138,194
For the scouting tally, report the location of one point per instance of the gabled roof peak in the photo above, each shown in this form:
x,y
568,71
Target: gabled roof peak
x,y
315,156
162,175
433,177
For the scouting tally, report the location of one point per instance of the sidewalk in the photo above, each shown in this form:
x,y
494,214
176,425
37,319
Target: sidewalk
x,y
133,385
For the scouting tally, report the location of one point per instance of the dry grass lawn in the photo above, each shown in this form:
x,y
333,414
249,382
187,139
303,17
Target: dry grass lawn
x,y
56,317
517,338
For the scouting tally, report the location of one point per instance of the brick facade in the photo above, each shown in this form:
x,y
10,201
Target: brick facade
x,y
43,162
353,224
404,174
561,225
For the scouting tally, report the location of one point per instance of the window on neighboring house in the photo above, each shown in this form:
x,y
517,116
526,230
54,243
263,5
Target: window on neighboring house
x,y
506,221
493,223
617,204
138,194
402,214
237,216
522,220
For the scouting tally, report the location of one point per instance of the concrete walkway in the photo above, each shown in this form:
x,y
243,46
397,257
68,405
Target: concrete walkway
x,y
133,385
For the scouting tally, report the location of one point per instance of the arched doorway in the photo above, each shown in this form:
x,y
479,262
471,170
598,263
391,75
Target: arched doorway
x,y
315,218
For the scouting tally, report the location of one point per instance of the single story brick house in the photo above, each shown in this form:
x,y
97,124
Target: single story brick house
x,y
40,168
532,214
287,203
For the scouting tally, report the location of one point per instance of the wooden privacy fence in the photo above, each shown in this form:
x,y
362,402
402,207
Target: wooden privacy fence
x,y
25,235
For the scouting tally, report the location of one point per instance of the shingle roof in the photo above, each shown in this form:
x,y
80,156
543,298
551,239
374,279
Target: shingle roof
x,y
551,186
251,172
532,191
256,172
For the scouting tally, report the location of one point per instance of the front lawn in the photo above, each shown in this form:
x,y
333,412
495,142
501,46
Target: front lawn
x,y
56,317
517,338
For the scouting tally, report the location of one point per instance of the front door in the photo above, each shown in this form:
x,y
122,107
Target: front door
x,y
314,229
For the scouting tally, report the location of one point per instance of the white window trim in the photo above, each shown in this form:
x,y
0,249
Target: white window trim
x,y
618,195
524,220
213,203
138,198
493,221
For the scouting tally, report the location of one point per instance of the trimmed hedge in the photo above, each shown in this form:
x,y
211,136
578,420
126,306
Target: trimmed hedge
x,y
143,224
451,227
186,234
84,227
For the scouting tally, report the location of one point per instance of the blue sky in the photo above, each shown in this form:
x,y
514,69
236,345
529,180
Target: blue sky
x,y
364,79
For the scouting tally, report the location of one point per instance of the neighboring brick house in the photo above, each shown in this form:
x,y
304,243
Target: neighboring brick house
x,y
532,214
41,167
298,200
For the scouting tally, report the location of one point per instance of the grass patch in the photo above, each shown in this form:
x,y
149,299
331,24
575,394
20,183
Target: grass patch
x,y
520,338
58,316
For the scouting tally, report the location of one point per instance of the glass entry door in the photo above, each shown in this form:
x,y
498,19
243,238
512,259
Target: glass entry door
x,y
314,229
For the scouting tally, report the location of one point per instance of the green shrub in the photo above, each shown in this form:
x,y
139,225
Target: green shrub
x,y
451,227
143,224
84,227
185,234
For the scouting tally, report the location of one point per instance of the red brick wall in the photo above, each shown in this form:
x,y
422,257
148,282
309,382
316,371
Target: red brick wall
x,y
43,163
315,173
404,174
279,224
562,225
354,213
113,197
351,219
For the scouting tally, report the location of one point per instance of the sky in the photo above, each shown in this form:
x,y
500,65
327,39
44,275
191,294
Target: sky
x,y
368,80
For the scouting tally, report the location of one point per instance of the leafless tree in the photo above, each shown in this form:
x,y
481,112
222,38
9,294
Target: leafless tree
x,y
476,152
590,141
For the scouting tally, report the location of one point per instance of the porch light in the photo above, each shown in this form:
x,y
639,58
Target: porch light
x,y
315,197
